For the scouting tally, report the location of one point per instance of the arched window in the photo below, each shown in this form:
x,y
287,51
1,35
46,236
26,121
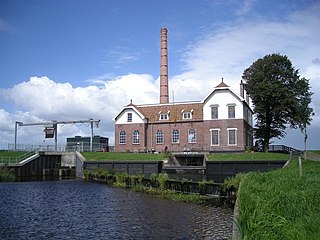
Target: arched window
x,y
122,137
175,136
159,137
192,135
135,137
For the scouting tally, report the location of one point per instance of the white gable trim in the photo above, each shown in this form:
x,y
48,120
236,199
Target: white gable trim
x,y
129,107
223,88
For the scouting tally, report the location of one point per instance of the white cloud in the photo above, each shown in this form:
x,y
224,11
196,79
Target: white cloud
x,y
228,51
4,25
44,100
245,7
120,56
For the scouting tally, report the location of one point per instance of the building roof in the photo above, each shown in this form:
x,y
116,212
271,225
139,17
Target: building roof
x,y
222,84
151,112
175,111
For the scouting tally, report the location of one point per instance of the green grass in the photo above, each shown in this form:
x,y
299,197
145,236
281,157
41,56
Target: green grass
x,y
247,156
316,151
281,204
11,156
117,156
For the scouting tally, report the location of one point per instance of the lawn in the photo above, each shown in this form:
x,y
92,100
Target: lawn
x,y
11,156
117,156
122,156
247,156
281,204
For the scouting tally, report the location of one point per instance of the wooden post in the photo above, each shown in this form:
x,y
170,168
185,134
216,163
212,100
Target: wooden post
x,y
300,166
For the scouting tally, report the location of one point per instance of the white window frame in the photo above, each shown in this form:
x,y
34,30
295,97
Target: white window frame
x,y
129,117
164,116
235,136
124,137
135,137
159,138
175,136
211,108
211,132
192,138
186,115
234,112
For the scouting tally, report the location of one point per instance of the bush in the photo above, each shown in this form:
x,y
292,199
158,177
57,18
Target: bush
x,y
233,182
6,175
162,179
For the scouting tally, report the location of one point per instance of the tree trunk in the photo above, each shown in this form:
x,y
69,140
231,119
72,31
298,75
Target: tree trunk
x,y
305,142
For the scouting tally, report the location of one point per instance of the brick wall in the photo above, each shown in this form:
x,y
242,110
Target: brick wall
x,y
203,136
129,146
223,125
183,144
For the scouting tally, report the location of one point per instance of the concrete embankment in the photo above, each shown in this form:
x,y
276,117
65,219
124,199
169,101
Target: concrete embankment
x,y
43,165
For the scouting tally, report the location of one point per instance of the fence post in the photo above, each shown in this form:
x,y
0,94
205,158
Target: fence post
x,y
300,166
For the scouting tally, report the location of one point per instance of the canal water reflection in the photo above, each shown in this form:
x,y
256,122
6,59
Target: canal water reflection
x,y
75,209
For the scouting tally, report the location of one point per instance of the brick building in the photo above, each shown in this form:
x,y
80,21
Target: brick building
x,y
222,121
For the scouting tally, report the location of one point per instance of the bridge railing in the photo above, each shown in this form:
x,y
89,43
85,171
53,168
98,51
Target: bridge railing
x,y
282,149
16,159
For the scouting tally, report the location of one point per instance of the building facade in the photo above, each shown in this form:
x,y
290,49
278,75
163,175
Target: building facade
x,y
221,122
82,144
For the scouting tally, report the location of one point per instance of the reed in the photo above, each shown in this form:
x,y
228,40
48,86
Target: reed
x,y
6,175
281,204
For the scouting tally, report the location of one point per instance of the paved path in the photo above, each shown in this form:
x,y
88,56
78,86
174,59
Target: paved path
x,y
313,156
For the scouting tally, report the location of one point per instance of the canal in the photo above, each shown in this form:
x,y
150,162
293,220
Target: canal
x,y
75,209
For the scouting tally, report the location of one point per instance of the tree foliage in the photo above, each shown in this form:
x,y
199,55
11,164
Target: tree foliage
x,y
279,95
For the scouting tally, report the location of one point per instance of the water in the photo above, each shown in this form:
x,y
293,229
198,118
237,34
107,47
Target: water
x,y
74,209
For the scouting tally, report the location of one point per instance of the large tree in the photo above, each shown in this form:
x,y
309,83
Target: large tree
x,y
280,97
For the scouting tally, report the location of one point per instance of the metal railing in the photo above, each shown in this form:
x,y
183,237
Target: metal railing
x,y
16,159
282,148
68,147
36,147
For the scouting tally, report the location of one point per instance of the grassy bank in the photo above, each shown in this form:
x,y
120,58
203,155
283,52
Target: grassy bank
x,y
120,156
247,156
281,204
11,156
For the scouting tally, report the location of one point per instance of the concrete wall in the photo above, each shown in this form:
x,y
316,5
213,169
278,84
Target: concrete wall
x,y
45,164
220,170
130,167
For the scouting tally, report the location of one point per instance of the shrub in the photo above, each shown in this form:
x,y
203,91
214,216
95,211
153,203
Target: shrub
x,y
162,179
6,175
233,182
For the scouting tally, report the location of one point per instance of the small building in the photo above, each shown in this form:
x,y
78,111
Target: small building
x,y
82,144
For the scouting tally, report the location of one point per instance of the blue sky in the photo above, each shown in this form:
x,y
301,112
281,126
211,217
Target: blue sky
x,y
76,59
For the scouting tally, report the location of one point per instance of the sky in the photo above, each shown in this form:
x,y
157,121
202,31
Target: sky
x,y
69,60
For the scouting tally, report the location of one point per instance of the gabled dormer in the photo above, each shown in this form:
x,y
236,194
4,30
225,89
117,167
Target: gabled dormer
x,y
224,103
129,114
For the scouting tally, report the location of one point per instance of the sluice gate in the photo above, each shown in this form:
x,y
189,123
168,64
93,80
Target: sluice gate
x,y
45,165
